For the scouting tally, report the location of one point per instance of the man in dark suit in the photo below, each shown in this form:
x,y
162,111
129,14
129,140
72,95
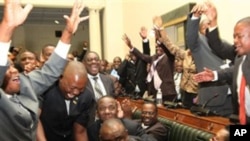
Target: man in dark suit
x,y
107,108
160,75
237,72
65,106
133,70
216,95
18,93
223,49
105,83
150,123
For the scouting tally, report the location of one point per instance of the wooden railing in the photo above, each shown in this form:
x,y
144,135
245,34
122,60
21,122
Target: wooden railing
x,y
209,123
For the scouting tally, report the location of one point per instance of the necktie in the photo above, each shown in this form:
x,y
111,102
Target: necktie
x,y
242,112
97,87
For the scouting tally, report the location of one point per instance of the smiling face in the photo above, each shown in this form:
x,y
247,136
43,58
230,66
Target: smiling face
x,y
242,38
73,80
92,63
149,114
11,81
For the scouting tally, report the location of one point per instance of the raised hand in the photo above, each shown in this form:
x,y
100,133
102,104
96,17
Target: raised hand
x,y
211,13
199,9
157,21
143,33
73,21
127,41
14,15
204,76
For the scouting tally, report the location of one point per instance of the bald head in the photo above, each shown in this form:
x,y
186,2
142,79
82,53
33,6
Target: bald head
x,y
112,129
75,68
73,80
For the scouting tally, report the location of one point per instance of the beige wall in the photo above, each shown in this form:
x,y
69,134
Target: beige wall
x,y
140,12
127,16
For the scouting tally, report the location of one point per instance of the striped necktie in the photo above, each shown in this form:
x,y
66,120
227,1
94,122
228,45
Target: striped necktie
x,y
97,87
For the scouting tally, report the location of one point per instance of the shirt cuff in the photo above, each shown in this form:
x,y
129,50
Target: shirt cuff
x,y
62,49
145,40
4,49
132,49
215,76
194,18
210,29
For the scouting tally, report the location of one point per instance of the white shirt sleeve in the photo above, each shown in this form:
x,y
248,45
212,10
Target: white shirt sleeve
x,y
145,40
210,29
62,49
215,75
4,50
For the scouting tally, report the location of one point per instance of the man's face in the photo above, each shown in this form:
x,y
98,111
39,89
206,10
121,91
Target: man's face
x,y
92,63
203,26
159,50
103,66
28,61
116,62
72,85
107,108
242,38
11,82
149,115
47,52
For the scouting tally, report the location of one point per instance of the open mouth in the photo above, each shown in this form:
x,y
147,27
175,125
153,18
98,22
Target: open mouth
x,y
16,79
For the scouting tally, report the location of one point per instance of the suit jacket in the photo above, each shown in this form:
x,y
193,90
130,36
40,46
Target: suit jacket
x,y
132,74
221,48
57,123
165,71
109,87
205,57
231,74
132,127
14,125
157,130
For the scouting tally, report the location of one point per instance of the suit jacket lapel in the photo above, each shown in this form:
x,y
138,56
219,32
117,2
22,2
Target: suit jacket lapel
x,y
246,68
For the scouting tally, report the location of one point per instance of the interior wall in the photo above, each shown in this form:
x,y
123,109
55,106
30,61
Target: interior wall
x,y
127,16
34,37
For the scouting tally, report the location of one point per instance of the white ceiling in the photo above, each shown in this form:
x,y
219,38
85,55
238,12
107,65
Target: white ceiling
x,y
40,15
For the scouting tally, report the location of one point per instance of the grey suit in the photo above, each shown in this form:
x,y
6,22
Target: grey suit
x,y
109,87
20,122
205,57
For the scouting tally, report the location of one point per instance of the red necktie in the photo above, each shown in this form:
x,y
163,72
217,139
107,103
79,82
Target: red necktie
x,y
242,112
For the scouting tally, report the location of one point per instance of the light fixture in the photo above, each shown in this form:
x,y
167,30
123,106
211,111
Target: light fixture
x,y
56,22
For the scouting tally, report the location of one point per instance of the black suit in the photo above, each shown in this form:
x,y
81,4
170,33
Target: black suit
x,y
57,123
231,74
221,48
132,74
164,68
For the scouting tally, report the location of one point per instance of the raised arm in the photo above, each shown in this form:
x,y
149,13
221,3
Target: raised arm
x,y
145,41
136,52
192,31
222,49
52,69
14,15
163,38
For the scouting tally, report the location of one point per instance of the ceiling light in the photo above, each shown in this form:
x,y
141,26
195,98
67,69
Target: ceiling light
x,y
56,22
